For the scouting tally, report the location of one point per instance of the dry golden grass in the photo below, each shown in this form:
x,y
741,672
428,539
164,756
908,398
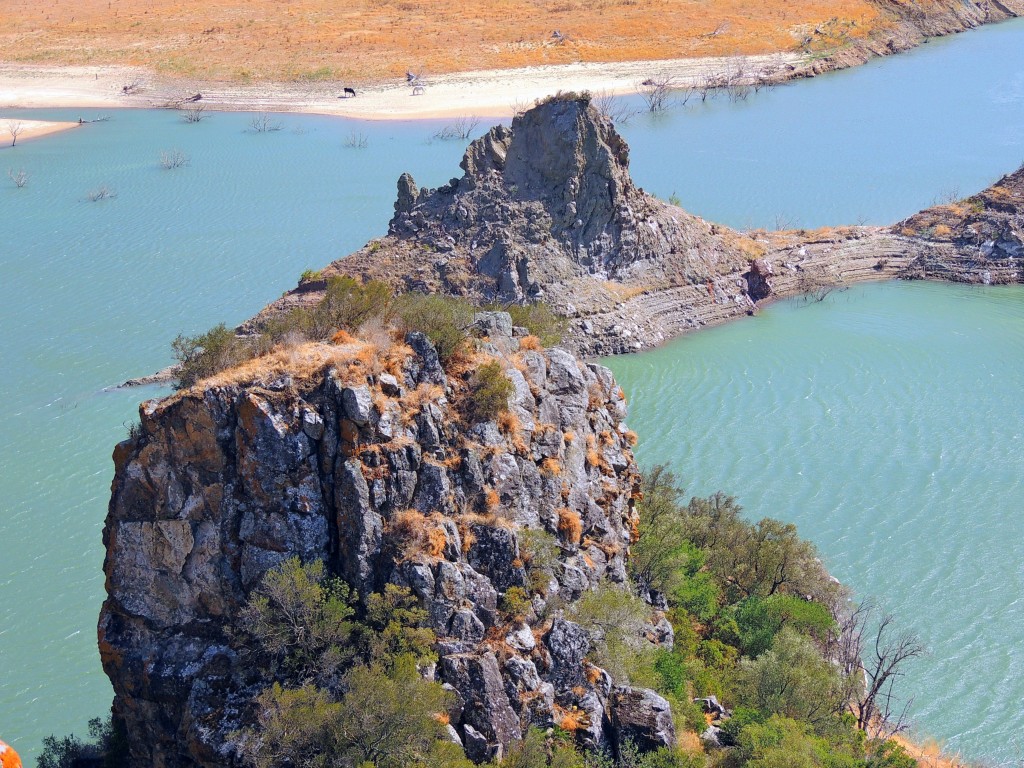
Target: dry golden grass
x,y
301,361
550,467
570,525
415,534
530,343
370,40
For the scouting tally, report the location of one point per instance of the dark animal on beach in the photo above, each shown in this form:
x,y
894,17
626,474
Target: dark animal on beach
x,y
349,93
193,99
648,81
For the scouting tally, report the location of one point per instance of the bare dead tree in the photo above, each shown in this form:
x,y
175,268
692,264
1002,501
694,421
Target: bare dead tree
x,y
173,158
15,128
872,654
20,178
264,122
519,107
193,113
102,192
708,82
356,141
461,129
611,107
656,90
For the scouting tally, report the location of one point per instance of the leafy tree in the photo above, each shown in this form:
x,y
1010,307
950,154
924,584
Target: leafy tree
x,y
756,621
299,619
614,619
763,559
793,680
393,626
388,717
293,727
661,553
106,742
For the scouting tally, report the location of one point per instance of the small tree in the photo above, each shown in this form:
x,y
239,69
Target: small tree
x,y
490,391
298,621
15,128
20,178
194,113
872,655
208,353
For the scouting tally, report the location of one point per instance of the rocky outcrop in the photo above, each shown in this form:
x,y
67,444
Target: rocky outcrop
x,y
367,459
546,210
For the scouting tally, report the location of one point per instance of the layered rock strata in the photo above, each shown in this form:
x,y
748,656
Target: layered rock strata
x,y
367,458
546,210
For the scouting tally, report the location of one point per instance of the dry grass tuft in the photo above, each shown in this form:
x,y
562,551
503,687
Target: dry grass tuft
x,y
570,525
415,533
530,343
551,467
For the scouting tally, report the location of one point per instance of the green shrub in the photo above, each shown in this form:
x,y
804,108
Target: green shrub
x,y
298,621
539,549
490,390
385,718
107,741
515,603
394,625
614,618
540,321
347,303
444,320
200,357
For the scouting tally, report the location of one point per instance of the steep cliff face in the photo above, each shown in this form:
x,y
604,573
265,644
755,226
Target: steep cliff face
x,y
546,210
367,458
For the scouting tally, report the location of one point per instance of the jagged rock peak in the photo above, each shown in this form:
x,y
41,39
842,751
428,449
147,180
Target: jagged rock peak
x,y
558,175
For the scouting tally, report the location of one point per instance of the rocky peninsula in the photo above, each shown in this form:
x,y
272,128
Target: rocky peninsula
x,y
546,210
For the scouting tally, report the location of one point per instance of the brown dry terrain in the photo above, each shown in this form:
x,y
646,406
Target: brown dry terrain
x,y
369,40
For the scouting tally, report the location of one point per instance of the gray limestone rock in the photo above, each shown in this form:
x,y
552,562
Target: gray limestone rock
x,y
643,717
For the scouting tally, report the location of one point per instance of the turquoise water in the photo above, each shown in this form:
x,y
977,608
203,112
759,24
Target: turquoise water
x,y
886,423
92,293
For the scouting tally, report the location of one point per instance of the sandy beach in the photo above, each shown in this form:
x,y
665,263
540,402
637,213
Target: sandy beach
x,y
14,131
488,93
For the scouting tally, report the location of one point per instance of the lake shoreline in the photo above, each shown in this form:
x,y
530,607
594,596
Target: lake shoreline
x,y
483,93
28,130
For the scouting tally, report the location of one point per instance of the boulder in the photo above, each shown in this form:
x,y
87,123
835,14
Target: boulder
x,y
643,717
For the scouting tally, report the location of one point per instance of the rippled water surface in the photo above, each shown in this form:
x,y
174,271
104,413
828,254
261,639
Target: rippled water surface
x,y
889,430
886,423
